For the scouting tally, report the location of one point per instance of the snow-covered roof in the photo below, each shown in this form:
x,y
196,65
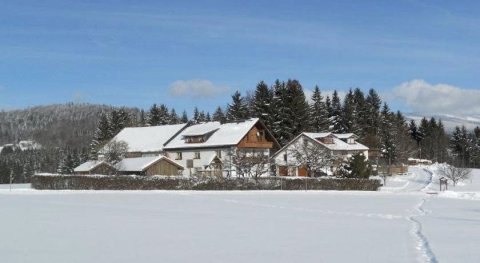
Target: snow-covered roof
x,y
225,135
148,139
139,164
338,144
88,166
345,135
318,134
28,145
202,129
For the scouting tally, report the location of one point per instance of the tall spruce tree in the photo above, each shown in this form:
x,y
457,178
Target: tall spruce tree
x,y
388,146
282,126
184,118
318,112
164,115
372,127
336,115
348,113
361,114
174,119
196,115
154,116
262,104
218,115
299,107
237,110
102,134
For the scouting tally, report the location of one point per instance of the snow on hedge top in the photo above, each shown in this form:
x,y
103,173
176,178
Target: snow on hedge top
x,y
148,139
87,166
338,144
139,164
226,134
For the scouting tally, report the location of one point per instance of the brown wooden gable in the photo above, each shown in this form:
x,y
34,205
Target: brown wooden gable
x,y
257,137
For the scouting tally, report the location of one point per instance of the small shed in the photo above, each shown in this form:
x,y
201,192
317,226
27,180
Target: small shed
x,y
155,165
94,167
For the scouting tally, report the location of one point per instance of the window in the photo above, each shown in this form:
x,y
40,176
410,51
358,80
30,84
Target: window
x,y
196,155
179,156
261,135
219,153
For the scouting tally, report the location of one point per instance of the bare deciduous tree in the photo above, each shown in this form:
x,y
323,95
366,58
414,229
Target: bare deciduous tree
x,y
115,151
455,174
312,156
248,164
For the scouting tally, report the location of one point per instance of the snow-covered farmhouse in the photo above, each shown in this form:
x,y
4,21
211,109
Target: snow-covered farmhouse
x,y
316,149
210,148
213,148
148,141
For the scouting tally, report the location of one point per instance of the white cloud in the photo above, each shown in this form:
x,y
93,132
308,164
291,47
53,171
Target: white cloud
x,y
197,88
424,97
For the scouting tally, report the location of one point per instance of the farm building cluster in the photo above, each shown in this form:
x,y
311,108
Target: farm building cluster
x,y
243,148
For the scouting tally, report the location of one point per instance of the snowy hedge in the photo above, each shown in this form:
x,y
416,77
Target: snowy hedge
x,y
94,182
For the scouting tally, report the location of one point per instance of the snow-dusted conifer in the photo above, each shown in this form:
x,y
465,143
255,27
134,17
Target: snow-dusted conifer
x,y
318,112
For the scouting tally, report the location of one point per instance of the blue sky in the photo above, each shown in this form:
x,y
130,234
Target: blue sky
x,y
187,53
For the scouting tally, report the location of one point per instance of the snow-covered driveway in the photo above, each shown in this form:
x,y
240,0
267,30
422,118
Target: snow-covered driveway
x,y
269,226
417,180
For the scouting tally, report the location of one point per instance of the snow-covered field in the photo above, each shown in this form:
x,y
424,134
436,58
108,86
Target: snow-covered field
x,y
404,222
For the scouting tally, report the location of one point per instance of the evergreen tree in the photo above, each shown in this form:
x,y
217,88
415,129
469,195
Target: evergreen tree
x,y
103,133
336,115
154,116
388,133
328,104
318,112
359,167
218,115
361,117
118,120
202,117
196,115
262,104
414,132
164,115
174,119
373,104
460,146
184,118
282,126
348,113
237,110
208,118
299,107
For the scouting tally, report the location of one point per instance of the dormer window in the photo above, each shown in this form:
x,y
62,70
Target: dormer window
x,y
194,139
326,140
351,141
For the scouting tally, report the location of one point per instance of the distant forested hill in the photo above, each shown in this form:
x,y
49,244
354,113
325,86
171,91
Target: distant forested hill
x,y
58,125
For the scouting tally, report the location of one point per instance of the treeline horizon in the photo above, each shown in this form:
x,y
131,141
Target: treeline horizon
x,y
282,106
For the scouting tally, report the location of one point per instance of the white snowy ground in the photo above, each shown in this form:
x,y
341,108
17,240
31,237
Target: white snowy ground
x,y
401,223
